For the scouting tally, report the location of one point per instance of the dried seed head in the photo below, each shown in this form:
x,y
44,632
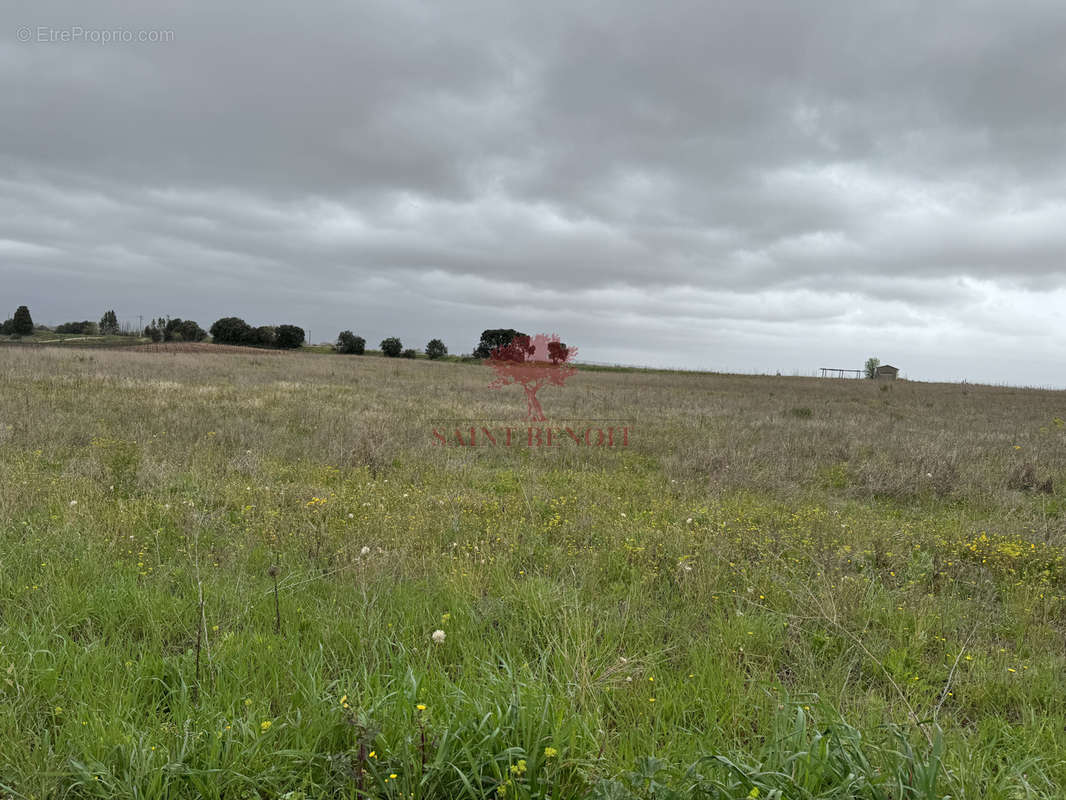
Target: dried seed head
x,y
273,571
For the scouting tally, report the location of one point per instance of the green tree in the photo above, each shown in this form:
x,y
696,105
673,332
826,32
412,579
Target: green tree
x,y
391,347
232,330
494,338
22,322
175,329
109,324
264,336
350,344
289,337
189,331
435,349
871,366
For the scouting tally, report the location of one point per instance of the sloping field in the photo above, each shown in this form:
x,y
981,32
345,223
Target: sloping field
x,y
242,577
205,347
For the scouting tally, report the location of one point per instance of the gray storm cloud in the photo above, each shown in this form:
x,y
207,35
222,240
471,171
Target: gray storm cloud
x,y
713,185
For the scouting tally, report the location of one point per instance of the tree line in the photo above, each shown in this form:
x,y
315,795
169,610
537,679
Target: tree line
x,y
350,344
235,331
491,339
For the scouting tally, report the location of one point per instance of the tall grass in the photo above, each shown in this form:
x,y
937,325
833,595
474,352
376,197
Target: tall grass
x,y
220,577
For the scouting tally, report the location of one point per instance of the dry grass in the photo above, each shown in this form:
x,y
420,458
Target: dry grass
x,y
762,542
205,347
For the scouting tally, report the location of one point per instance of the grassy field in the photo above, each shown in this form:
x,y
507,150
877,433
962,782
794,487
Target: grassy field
x,y
221,576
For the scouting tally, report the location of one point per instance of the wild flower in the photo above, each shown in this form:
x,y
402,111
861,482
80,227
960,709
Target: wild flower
x,y
264,726
438,636
365,551
550,752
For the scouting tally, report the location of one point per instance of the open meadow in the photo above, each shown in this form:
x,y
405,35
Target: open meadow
x,y
231,575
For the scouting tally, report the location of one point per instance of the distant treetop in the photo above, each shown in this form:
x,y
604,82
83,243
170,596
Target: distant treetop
x,y
493,339
22,322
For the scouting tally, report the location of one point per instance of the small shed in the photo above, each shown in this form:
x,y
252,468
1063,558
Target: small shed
x,y
886,372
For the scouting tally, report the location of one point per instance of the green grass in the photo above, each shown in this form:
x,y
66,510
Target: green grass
x,y
71,340
838,615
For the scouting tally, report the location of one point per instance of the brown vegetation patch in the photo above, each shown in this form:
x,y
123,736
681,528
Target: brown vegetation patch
x,y
1025,479
204,347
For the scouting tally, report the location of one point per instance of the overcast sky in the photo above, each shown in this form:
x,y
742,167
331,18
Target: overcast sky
x,y
745,186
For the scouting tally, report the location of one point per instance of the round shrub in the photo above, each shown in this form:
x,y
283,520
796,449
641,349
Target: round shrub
x,y
435,349
350,344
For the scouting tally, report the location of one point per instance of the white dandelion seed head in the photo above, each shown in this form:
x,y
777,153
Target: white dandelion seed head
x,y
351,516
365,551
438,636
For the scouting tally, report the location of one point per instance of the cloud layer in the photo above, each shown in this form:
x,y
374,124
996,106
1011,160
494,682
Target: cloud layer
x,y
704,184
